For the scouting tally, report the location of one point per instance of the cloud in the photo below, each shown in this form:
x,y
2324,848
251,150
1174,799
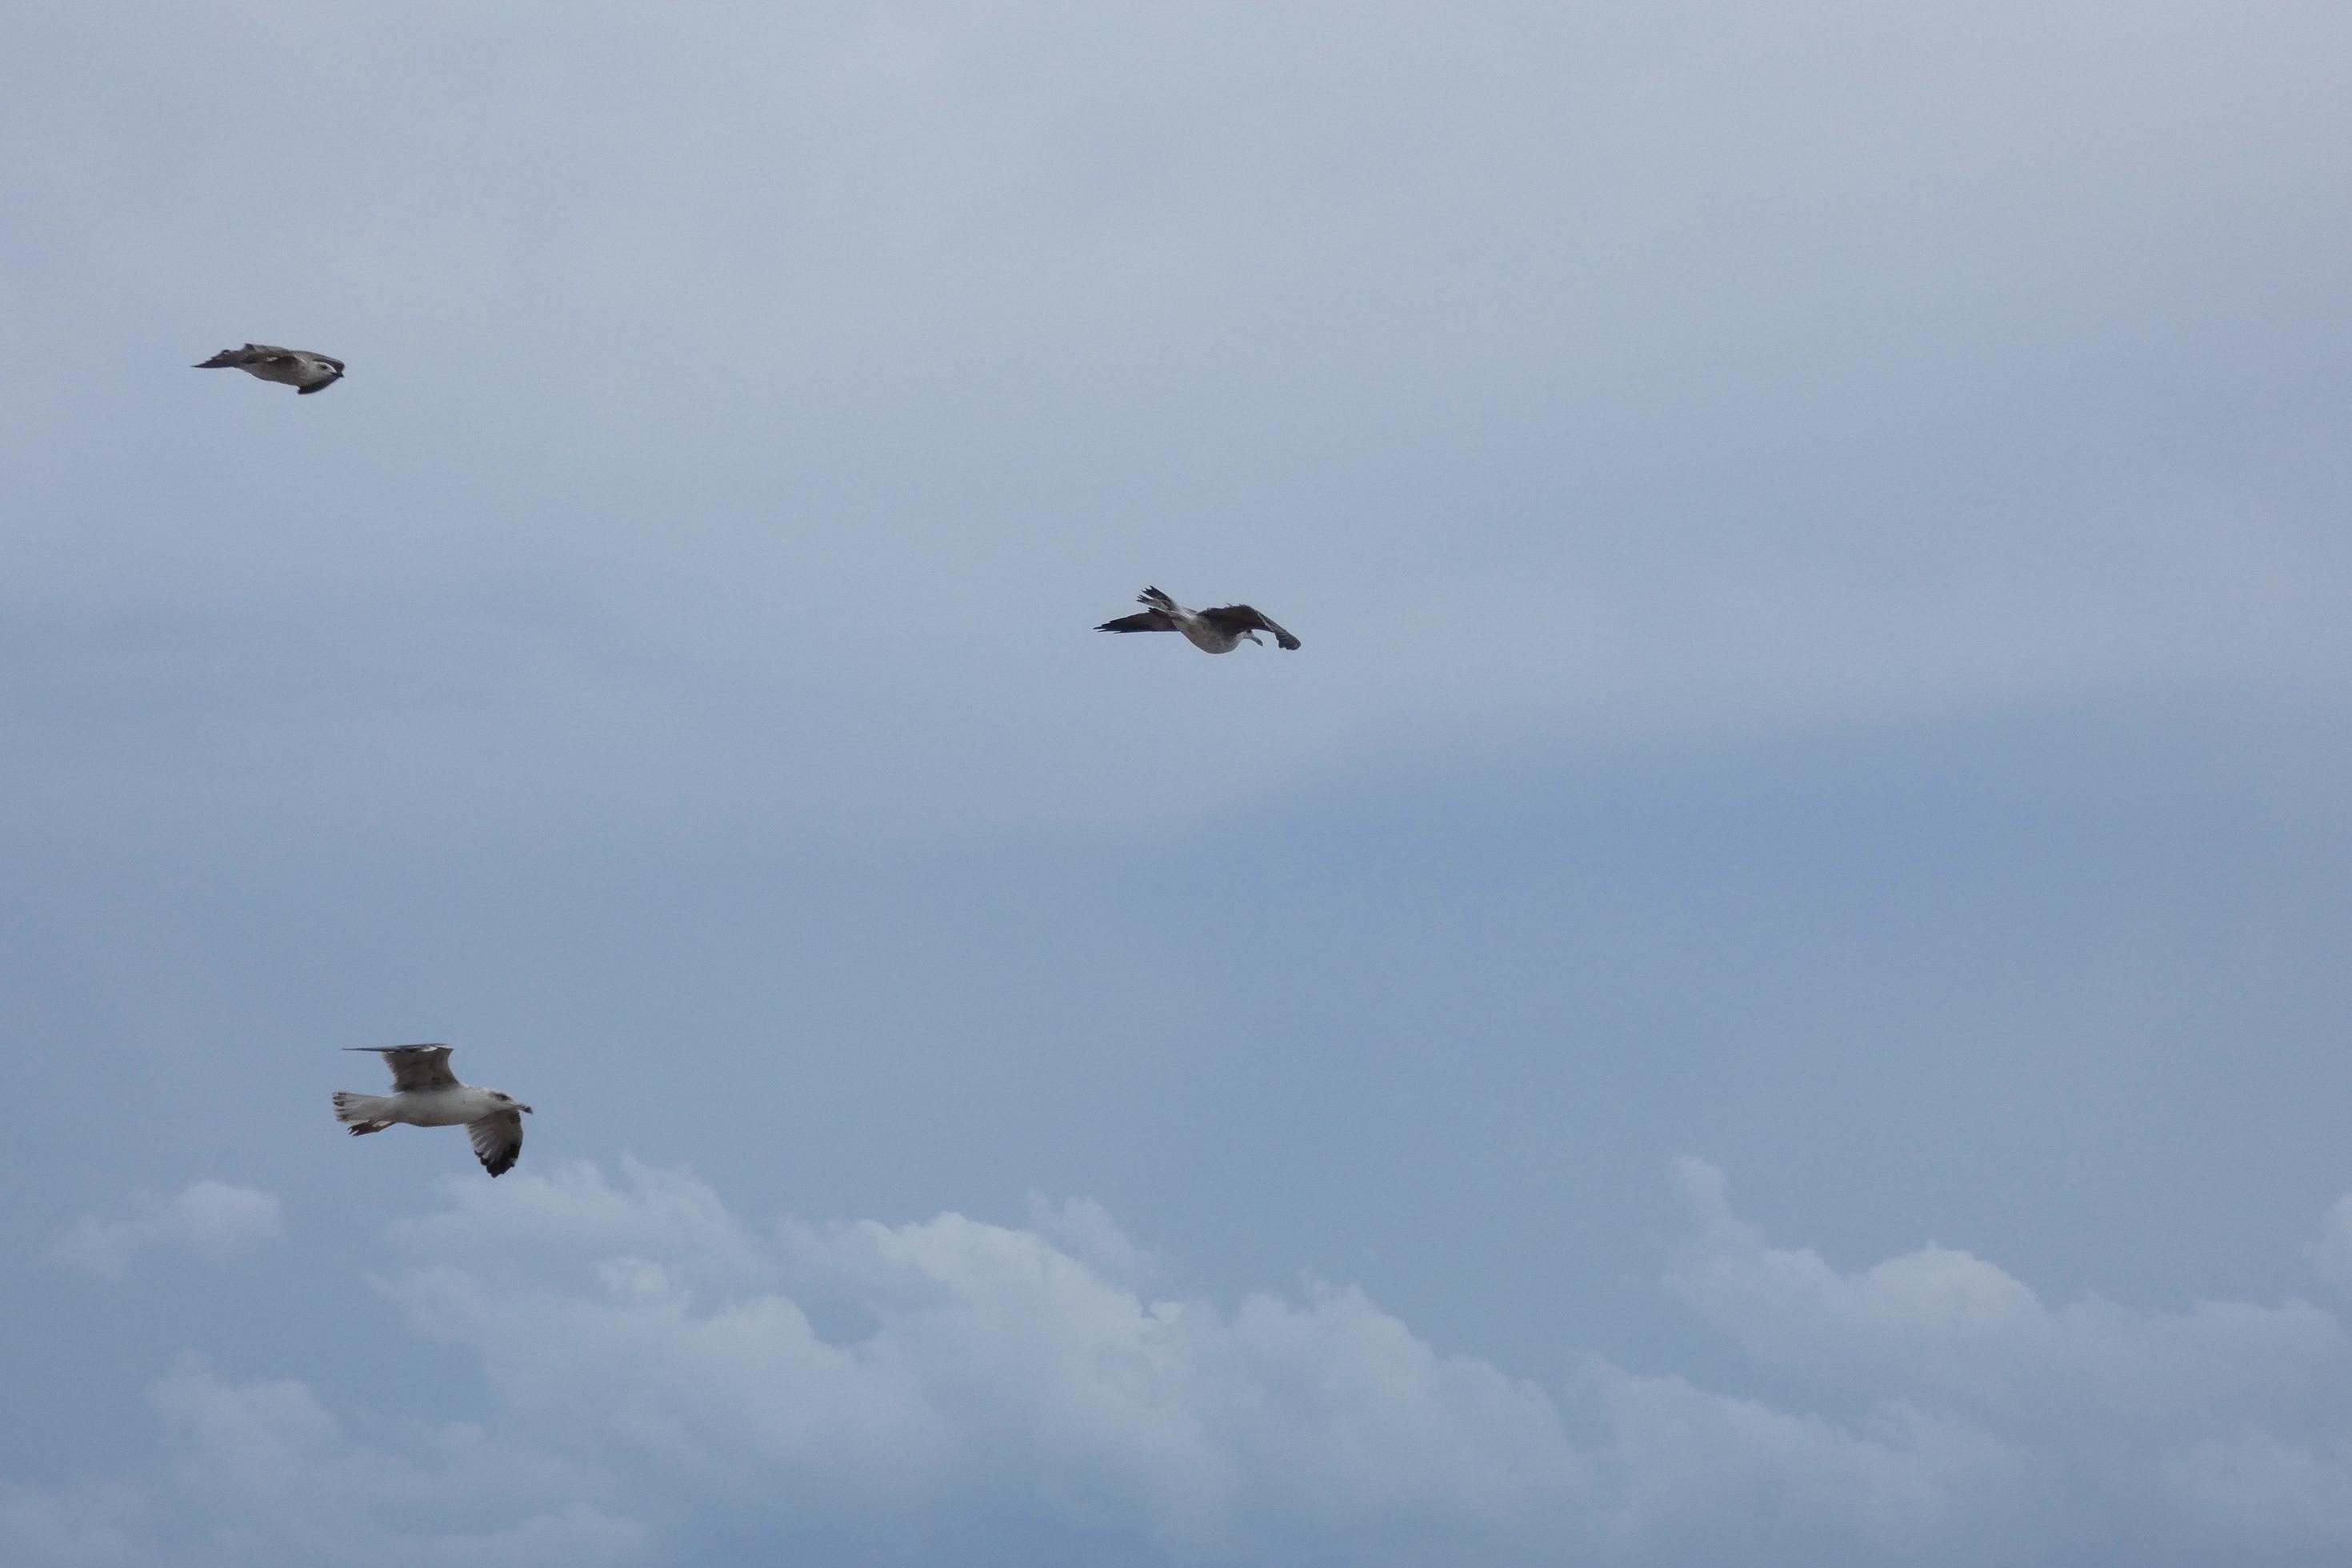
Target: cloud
x,y
1944,1326
2263,1490
261,1474
1085,1229
669,1383
988,1363
215,1220
1689,1471
280,1481
2219,1429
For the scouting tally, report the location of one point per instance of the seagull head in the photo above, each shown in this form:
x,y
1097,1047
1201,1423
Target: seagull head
x,y
503,1098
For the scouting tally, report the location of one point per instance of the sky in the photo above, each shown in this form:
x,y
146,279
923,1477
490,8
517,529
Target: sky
x,y
1768,986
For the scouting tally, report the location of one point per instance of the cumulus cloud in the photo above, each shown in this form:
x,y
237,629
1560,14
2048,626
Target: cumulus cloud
x,y
672,1383
262,1474
215,1220
1944,1326
2263,1490
279,1481
2220,1428
989,1362
1085,1229
1690,1471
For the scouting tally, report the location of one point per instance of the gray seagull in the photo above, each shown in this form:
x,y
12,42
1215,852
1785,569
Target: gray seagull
x,y
297,368
425,1094
1220,630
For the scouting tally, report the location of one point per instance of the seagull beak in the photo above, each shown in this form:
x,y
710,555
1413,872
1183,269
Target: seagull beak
x,y
526,1108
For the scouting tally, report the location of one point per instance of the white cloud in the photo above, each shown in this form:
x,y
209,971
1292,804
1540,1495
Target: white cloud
x,y
2219,1429
1692,1470
664,1375
1942,1325
989,1362
262,1474
1085,1229
2255,1487
215,1220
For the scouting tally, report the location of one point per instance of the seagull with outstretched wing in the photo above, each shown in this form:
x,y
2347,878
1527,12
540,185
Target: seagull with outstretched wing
x,y
426,1093
299,368
1220,630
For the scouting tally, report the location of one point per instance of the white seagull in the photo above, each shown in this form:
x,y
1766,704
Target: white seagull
x,y
425,1094
1220,630
293,367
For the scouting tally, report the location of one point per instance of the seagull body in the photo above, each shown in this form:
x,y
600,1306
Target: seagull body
x,y
1220,630
298,368
424,1093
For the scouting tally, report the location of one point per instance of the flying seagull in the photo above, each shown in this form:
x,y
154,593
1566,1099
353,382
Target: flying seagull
x,y
425,1094
295,367
1219,630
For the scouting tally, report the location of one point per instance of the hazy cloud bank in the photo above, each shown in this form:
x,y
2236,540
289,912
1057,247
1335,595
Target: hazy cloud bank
x,y
669,1382
215,1220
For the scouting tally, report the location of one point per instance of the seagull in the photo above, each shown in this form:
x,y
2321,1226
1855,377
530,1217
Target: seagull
x,y
1219,630
295,367
425,1094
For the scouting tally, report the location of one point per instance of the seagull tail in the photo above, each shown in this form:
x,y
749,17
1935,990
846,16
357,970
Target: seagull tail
x,y
362,1113
227,359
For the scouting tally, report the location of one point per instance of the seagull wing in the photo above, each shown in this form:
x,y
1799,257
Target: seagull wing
x,y
498,1141
1242,618
1149,621
415,1066
252,353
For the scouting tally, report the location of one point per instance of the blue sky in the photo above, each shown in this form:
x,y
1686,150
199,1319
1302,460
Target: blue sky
x,y
1767,986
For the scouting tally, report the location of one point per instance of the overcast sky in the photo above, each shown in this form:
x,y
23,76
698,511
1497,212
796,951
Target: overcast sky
x,y
1768,985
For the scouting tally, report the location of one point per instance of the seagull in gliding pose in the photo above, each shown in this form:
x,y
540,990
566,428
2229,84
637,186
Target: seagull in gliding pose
x,y
424,1093
1220,630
